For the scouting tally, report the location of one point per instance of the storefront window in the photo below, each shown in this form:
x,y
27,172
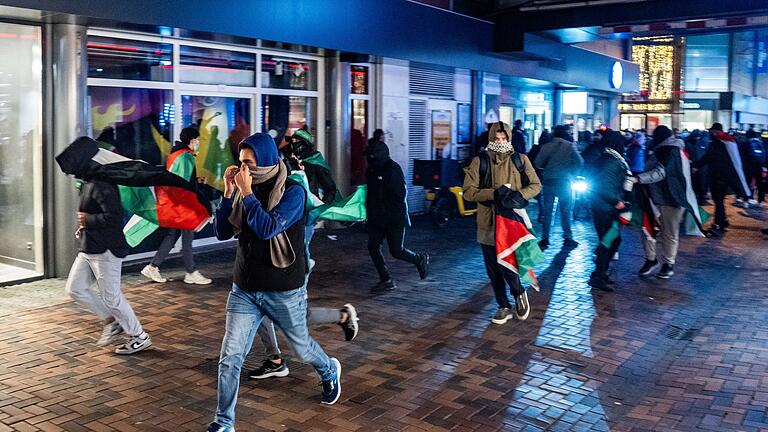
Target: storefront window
x,y
359,79
136,123
706,63
129,59
288,73
284,114
214,66
696,119
358,140
223,123
21,188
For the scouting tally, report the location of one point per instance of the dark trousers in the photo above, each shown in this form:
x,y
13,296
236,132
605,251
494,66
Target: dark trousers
x,y
754,174
186,248
500,277
395,236
562,190
603,220
719,190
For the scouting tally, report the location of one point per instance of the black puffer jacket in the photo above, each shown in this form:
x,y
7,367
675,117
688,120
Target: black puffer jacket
x,y
385,202
667,184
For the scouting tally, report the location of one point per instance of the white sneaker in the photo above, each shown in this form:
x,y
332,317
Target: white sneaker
x,y
135,344
153,273
752,202
195,278
110,334
615,257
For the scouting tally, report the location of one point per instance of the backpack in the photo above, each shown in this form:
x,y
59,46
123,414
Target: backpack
x,y
756,151
485,172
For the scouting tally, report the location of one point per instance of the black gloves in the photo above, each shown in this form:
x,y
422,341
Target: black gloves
x,y
507,199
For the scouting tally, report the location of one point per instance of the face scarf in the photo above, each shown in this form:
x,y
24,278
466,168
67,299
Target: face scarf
x,y
280,249
500,147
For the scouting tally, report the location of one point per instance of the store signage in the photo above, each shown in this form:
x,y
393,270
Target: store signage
x,y
575,102
441,129
617,75
534,97
690,105
645,107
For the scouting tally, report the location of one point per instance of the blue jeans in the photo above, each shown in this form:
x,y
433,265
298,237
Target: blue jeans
x,y
309,232
245,311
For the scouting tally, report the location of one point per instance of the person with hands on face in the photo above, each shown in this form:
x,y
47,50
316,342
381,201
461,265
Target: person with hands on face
x,y
265,211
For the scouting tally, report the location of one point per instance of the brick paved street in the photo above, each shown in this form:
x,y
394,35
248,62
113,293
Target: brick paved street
x,y
686,354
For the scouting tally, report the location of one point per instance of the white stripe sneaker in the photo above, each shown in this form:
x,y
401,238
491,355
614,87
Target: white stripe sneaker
x,y
135,344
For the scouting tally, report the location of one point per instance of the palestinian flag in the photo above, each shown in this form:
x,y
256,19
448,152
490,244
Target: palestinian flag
x,y
349,209
150,192
516,246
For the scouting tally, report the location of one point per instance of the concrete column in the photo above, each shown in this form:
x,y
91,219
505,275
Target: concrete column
x,y
338,114
68,72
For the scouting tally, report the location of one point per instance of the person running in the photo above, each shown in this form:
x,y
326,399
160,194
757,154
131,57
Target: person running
x,y
94,279
387,213
500,170
558,162
265,211
181,162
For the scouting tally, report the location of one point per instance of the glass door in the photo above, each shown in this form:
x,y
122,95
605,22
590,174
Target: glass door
x,y
21,184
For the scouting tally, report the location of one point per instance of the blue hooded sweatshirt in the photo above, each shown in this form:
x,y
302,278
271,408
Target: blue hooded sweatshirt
x,y
265,225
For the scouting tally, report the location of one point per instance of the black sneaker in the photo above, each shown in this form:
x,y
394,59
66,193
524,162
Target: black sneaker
x,y
764,231
215,427
544,243
502,316
423,265
332,388
570,243
600,282
667,270
270,369
383,286
522,307
649,267
350,326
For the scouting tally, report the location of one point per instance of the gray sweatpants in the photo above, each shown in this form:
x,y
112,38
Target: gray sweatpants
x,y
315,316
669,235
94,284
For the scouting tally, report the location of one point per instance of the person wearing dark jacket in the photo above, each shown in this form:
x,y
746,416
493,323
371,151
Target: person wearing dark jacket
x,y
94,280
388,215
519,140
265,211
607,200
724,169
545,137
559,162
667,187
181,162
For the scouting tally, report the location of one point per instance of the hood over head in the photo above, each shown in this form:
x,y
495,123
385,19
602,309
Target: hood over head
x,y
264,147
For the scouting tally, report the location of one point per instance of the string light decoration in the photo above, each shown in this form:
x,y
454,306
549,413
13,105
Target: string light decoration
x,y
655,57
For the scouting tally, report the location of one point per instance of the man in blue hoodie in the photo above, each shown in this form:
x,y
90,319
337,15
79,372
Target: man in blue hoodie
x,y
265,211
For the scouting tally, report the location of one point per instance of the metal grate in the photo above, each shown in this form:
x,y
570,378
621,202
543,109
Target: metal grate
x,y
417,149
430,80
680,333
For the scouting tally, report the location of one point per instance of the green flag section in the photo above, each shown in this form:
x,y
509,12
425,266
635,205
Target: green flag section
x,y
349,209
137,229
611,235
317,159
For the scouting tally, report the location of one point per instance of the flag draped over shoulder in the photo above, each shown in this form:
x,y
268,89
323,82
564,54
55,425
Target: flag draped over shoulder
x,y
516,246
151,193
